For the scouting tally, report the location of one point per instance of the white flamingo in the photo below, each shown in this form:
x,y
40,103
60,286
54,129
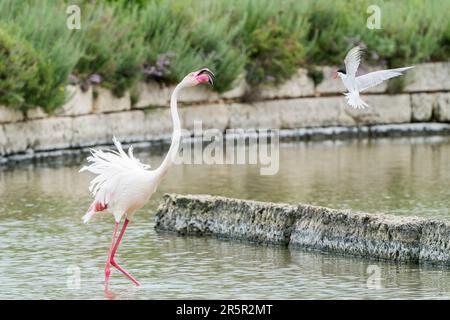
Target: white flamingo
x,y
123,184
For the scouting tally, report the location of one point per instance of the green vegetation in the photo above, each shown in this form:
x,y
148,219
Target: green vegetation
x,y
19,70
41,42
122,42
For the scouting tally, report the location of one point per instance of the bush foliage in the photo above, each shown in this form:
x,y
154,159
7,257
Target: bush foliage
x,y
19,70
122,42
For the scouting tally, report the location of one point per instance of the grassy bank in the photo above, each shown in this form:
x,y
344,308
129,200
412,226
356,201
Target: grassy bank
x,y
122,42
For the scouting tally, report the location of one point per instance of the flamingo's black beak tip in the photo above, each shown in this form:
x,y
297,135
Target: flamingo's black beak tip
x,y
210,75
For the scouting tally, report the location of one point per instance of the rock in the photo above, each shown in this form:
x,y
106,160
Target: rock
x,y
201,93
36,113
152,94
15,138
361,234
212,116
90,130
319,112
299,85
130,126
409,129
8,115
236,219
238,91
50,133
329,85
435,242
422,105
443,107
126,126
157,124
429,77
86,121
106,101
3,142
382,109
311,112
79,102
37,135
252,116
378,236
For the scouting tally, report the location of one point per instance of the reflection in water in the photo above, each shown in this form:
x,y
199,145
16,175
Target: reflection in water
x,y
42,236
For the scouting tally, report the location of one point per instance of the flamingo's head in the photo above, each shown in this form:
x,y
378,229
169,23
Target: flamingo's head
x,y
198,77
338,73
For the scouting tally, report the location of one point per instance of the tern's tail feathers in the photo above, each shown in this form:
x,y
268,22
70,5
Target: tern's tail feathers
x,y
355,101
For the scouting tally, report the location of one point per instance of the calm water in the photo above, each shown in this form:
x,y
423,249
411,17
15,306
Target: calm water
x,y
43,242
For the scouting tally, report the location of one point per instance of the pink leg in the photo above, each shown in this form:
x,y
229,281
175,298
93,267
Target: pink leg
x,y
108,261
114,263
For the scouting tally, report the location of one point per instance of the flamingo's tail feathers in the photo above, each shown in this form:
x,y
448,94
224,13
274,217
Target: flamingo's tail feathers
x,y
89,214
110,167
354,100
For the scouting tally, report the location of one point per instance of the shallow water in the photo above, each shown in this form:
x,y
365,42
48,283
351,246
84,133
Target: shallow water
x,y
43,244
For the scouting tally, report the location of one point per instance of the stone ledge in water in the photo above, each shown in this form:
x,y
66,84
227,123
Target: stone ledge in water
x,y
226,218
341,231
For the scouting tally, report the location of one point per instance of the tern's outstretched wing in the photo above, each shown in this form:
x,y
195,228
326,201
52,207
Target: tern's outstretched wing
x,y
375,78
352,61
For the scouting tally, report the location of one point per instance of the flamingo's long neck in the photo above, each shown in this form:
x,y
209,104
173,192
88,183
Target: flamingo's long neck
x,y
176,135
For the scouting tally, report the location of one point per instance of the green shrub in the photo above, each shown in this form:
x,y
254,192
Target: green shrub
x,y
271,33
121,41
169,54
411,32
215,47
315,74
42,24
114,47
27,79
19,71
274,54
333,30
179,40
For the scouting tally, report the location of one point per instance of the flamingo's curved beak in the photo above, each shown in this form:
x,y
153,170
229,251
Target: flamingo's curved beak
x,y
205,75
335,75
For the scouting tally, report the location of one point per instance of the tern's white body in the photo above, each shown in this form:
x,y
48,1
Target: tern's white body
x,y
355,84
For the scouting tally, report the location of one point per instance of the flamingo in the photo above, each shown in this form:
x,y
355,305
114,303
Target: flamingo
x,y
123,184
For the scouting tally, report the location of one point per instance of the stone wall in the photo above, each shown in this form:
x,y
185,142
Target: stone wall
x,y
92,117
377,236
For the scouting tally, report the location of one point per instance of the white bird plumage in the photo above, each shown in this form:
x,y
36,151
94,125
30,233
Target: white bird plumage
x,y
355,84
123,184
114,170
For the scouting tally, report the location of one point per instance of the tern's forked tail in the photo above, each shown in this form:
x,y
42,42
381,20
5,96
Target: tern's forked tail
x,y
354,100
